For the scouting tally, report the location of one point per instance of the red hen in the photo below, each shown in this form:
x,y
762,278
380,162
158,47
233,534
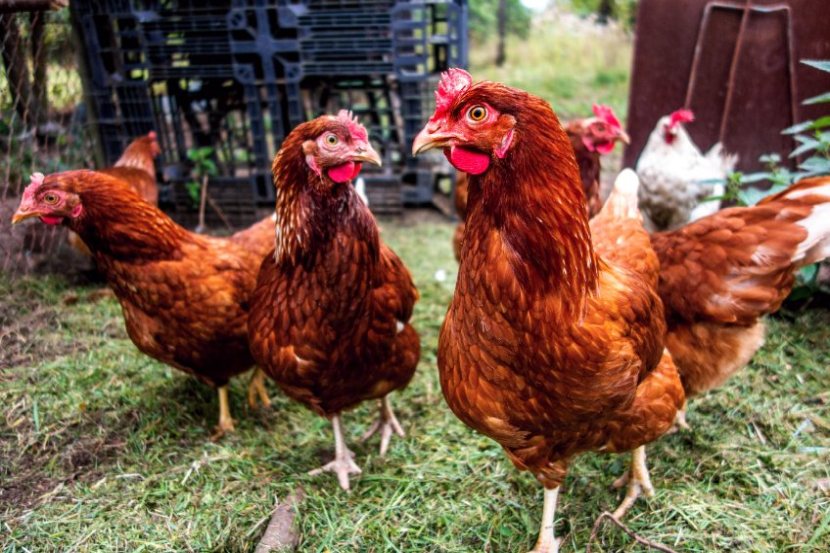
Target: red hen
x,y
553,343
331,310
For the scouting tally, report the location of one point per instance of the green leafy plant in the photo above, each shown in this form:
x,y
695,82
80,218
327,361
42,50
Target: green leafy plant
x,y
813,136
203,168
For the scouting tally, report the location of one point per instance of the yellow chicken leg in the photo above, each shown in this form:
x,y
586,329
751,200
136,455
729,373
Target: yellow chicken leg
x,y
547,542
225,420
680,419
256,389
343,464
387,423
638,481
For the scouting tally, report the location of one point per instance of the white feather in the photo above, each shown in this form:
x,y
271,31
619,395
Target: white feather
x,y
360,186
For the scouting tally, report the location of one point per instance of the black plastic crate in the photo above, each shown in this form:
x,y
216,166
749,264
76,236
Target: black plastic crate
x,y
238,75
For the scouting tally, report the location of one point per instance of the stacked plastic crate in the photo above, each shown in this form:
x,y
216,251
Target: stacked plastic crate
x,y
237,76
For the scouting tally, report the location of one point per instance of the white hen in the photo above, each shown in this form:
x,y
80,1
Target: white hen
x,y
676,177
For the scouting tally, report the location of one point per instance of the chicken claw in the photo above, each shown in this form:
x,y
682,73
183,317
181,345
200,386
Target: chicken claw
x,y
225,420
387,423
343,464
638,481
256,389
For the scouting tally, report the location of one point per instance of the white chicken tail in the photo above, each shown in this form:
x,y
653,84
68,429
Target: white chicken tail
x,y
720,159
623,199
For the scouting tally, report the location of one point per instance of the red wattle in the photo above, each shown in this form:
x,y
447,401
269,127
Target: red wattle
x,y
344,172
49,220
605,148
469,161
357,168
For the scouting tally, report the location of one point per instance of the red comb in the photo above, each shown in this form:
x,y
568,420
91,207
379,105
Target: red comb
x,y
453,82
606,114
355,128
152,135
681,116
35,181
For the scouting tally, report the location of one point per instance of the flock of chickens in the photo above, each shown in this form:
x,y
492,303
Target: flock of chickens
x,y
571,329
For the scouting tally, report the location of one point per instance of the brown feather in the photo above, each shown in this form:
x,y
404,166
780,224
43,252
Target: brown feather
x,y
552,339
721,274
331,310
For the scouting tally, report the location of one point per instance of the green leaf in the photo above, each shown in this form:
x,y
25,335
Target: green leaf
x,y
800,127
751,196
823,65
756,177
808,274
816,165
820,123
820,99
194,190
806,146
209,167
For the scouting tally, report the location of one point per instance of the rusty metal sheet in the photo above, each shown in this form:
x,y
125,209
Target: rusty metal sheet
x,y
735,63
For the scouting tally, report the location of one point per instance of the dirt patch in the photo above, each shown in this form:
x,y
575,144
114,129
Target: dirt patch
x,y
34,467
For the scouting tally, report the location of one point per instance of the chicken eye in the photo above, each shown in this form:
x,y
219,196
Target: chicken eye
x,y
331,140
476,114
50,199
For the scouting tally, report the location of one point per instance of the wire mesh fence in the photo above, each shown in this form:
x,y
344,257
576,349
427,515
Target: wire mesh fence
x,y
42,126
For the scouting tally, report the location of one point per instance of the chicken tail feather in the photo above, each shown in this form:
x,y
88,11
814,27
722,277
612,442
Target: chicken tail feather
x,y
623,201
816,192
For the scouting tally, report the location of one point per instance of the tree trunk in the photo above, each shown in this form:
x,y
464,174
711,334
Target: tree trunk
x,y
605,11
501,54
17,71
39,89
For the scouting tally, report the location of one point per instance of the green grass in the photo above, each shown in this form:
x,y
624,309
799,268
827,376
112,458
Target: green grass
x,y
103,449
571,69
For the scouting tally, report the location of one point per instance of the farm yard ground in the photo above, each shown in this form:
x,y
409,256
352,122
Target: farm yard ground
x,y
103,449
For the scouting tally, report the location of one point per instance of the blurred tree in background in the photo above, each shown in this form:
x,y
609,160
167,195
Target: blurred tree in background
x,y
623,11
484,18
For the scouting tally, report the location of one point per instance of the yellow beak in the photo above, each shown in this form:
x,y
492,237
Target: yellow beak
x,y
22,214
428,139
367,154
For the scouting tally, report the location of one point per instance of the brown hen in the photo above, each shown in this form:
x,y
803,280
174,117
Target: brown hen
x,y
590,138
185,297
721,274
331,310
553,343
137,167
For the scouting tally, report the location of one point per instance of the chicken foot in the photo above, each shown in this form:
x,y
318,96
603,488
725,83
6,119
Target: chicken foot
x,y
547,542
343,464
638,481
387,423
225,420
256,389
680,419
